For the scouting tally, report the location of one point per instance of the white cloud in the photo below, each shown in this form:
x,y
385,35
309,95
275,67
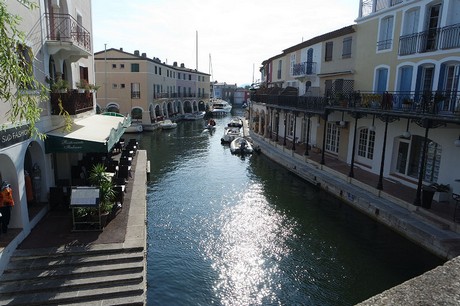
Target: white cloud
x,y
239,34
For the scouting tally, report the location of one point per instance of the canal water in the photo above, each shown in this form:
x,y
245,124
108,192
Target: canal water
x,y
230,230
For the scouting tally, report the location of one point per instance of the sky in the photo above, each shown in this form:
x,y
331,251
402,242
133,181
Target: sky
x,y
233,37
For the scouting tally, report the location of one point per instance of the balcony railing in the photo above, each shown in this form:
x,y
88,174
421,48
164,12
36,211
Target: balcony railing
x,y
180,95
304,69
431,40
371,6
63,27
302,103
72,102
433,103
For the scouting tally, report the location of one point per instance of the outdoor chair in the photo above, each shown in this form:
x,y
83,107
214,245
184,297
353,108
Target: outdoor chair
x,y
124,172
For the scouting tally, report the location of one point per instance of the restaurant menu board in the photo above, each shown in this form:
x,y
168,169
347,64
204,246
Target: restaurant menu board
x,y
84,197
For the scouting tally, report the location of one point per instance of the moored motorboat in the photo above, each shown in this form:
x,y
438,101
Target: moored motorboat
x,y
194,116
240,145
167,124
230,133
220,107
235,122
135,128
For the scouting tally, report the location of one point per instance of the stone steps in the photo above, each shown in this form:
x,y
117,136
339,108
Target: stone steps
x,y
96,276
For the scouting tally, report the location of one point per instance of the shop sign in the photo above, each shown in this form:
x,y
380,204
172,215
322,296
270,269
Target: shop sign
x,y
13,136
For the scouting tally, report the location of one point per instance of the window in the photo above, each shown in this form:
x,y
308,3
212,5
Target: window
x,y
381,80
25,62
280,63
134,67
291,125
156,70
405,78
366,143
122,66
385,34
408,160
328,52
178,75
292,63
189,77
114,86
332,138
159,70
346,50
114,66
135,90
122,85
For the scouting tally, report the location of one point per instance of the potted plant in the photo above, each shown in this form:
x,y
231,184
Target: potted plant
x,y
82,86
98,178
406,104
94,87
60,85
340,97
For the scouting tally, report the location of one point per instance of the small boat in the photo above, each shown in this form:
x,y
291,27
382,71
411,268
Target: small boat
x,y
167,124
240,145
236,122
211,125
135,128
230,133
220,107
194,116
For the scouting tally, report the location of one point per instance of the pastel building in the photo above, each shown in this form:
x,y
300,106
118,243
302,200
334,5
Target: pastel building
x,y
58,44
381,95
146,88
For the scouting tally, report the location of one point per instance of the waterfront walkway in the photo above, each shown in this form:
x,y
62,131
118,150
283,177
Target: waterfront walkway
x,y
55,265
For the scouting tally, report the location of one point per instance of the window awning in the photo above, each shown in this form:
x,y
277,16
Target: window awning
x,y
96,133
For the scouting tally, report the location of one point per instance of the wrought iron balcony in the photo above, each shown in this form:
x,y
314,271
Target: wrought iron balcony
x,y
304,69
431,40
72,102
64,28
439,103
442,103
371,6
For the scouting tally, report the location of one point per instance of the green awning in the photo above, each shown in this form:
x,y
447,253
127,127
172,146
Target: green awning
x,y
96,133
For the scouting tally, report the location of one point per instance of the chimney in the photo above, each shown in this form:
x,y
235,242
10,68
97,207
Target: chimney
x,y
175,64
182,65
144,54
136,52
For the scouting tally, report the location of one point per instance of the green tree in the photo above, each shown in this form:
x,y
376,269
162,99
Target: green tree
x,y
18,85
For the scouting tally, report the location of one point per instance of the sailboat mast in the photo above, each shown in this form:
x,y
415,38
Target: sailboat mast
x,y
196,50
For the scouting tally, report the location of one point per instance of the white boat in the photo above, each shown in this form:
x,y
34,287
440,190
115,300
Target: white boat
x,y
220,107
134,128
240,145
194,116
230,133
236,122
167,124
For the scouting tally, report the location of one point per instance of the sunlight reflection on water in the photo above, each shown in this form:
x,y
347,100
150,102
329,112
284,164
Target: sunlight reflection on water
x,y
248,242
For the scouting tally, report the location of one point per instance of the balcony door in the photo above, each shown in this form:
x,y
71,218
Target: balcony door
x,y
449,84
432,27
